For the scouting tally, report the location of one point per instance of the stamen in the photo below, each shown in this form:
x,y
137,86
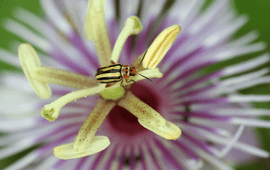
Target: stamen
x,y
39,76
132,26
62,77
67,151
160,46
92,124
149,118
168,131
96,30
30,61
51,111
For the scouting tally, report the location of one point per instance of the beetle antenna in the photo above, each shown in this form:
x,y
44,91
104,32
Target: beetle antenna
x,y
146,77
143,56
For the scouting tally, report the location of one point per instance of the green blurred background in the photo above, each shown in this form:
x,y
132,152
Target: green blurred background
x,y
258,12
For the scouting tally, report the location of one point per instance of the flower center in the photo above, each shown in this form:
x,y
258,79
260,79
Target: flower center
x,y
123,121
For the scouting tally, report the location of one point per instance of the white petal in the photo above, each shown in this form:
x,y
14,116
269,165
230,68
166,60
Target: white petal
x,y
208,157
151,9
27,35
9,58
223,34
230,144
244,78
245,39
35,132
17,147
189,11
250,122
213,11
115,163
103,162
240,112
158,155
16,124
190,128
234,52
238,145
90,162
148,158
30,19
247,65
56,17
47,163
127,8
24,161
16,82
76,11
248,98
254,82
181,157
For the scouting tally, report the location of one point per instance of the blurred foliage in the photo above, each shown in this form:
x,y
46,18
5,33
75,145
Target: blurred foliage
x,y
257,11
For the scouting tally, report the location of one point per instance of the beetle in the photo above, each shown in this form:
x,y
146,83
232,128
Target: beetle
x,y
116,72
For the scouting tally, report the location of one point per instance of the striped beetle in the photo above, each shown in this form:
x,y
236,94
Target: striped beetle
x,y
116,72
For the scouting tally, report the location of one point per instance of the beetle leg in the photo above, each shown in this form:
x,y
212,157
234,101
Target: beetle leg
x,y
130,81
108,85
112,62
